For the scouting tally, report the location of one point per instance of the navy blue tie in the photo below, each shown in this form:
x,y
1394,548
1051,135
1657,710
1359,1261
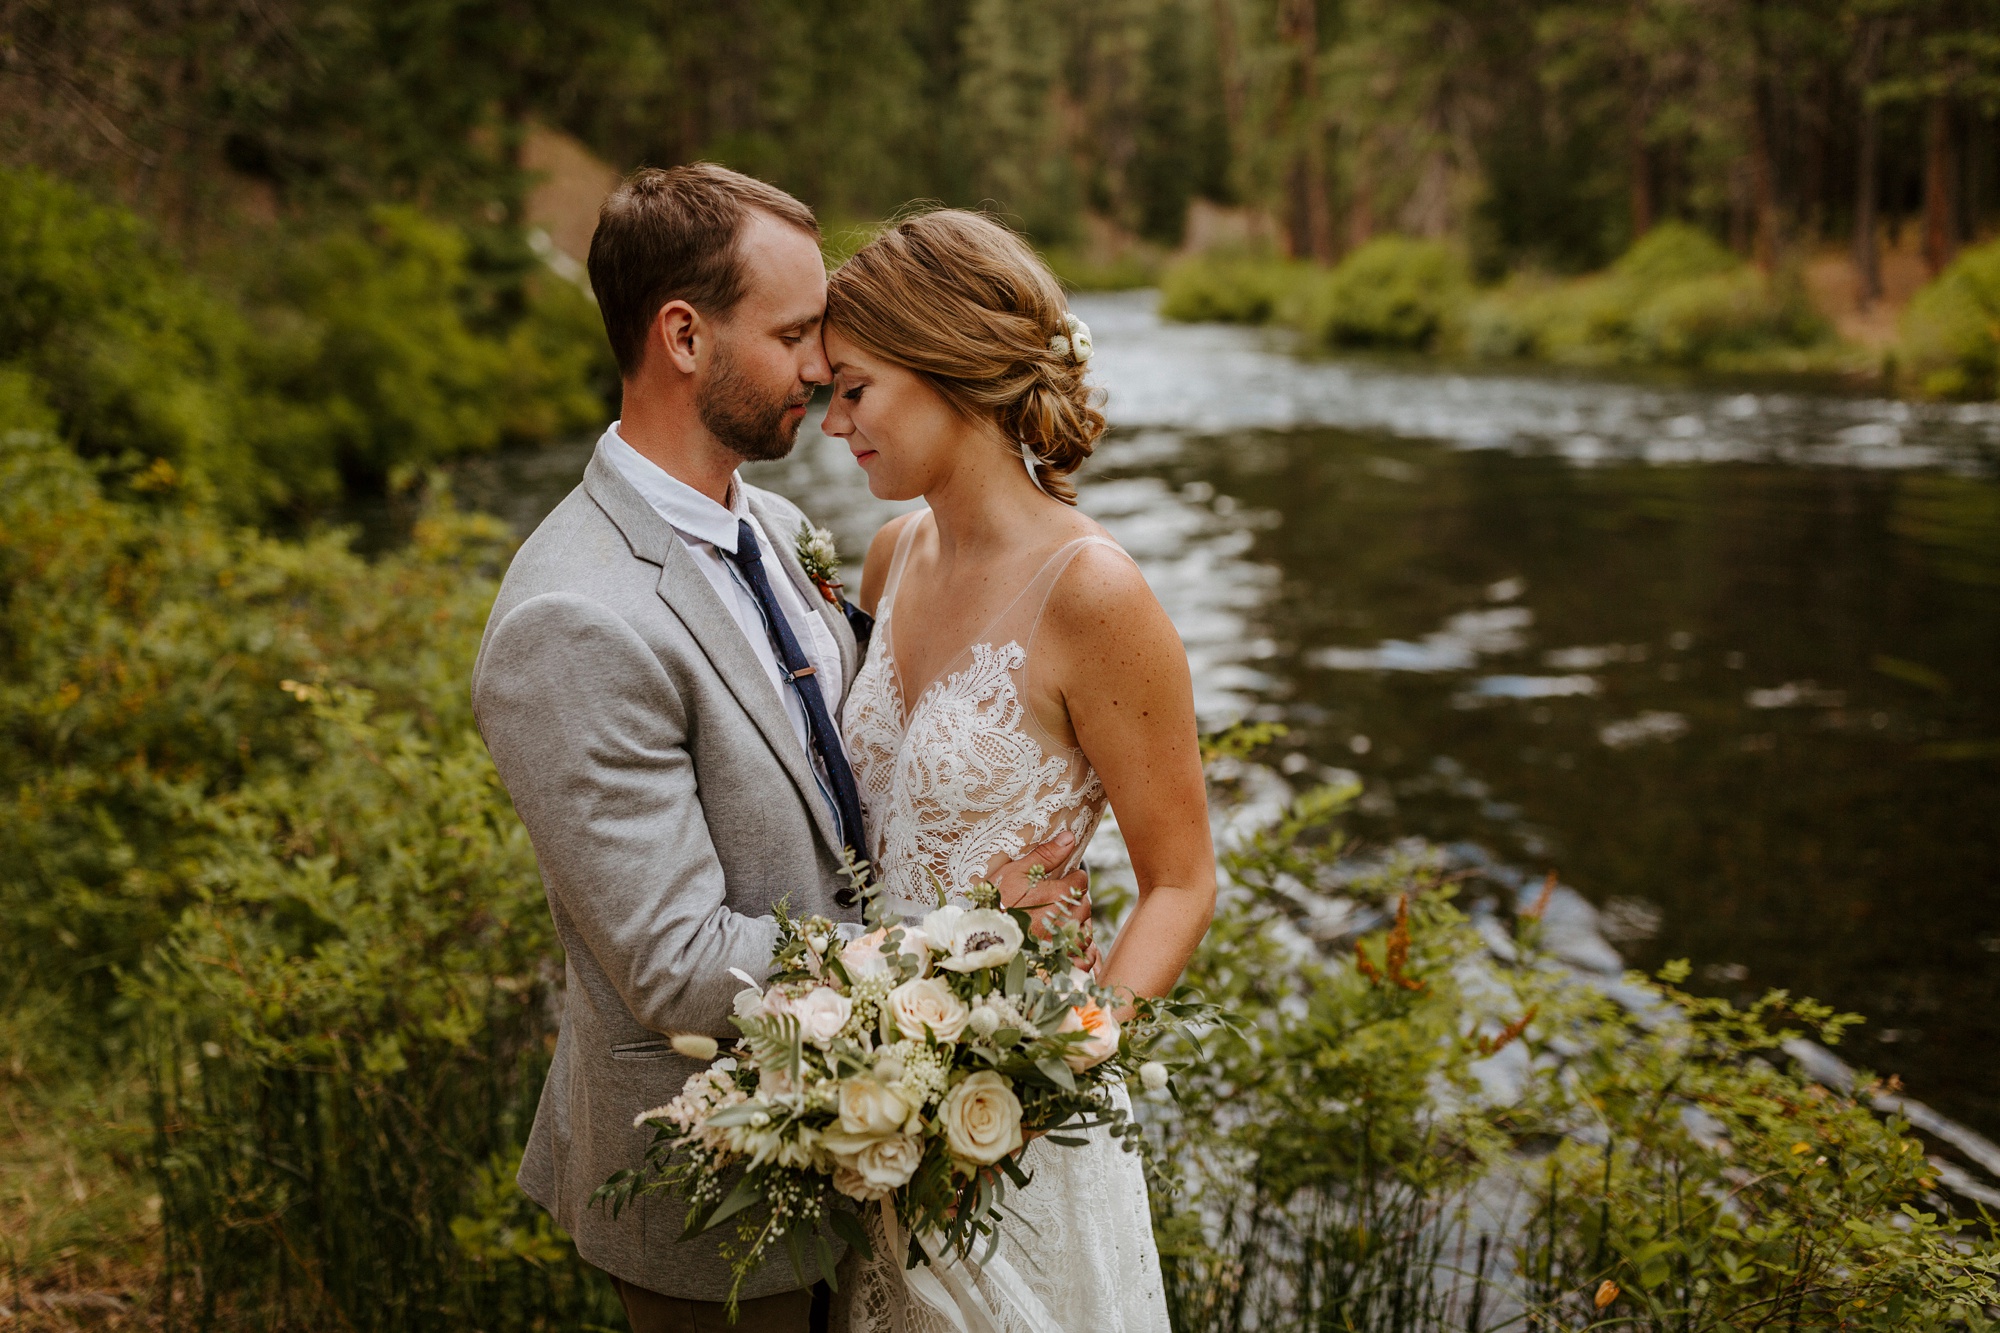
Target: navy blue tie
x,y
802,675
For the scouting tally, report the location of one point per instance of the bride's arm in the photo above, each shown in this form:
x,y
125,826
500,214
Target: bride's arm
x,y
1123,676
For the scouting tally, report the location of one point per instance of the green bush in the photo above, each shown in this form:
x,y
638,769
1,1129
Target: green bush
x,y
1393,292
1425,1125
329,360
251,843
1231,287
1951,332
1677,297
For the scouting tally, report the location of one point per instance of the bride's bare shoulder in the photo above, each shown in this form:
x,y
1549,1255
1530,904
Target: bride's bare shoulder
x,y
881,551
1102,599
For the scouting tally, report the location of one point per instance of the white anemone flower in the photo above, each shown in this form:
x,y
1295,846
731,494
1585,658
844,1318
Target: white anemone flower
x,y
980,938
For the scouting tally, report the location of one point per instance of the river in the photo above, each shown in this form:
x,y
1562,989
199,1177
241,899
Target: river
x,y
1725,656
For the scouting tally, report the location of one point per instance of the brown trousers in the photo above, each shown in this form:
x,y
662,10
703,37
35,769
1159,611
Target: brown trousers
x,y
803,1311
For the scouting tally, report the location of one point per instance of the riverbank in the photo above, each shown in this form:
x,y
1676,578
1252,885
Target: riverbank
x,y
1676,299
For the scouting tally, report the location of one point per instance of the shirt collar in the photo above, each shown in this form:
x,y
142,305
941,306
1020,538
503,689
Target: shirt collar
x,y
691,513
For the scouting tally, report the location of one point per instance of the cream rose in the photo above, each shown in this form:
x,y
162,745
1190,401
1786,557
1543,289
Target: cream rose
x,y
870,1107
822,1012
926,1002
864,960
1102,1043
855,1186
980,938
982,1119
878,1168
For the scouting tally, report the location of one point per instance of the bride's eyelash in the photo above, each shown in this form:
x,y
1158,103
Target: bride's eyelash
x,y
853,395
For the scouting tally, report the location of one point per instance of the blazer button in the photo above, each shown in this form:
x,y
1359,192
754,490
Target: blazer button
x,y
844,898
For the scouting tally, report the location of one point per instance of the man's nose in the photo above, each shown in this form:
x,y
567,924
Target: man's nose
x,y
815,370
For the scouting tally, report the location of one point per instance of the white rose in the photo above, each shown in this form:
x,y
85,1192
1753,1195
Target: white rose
x,y
874,1169
982,1119
1103,1040
822,1012
855,1186
1154,1075
925,1002
976,939
870,1107
889,1163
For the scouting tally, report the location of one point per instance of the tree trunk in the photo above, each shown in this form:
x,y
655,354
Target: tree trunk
x,y
1639,151
1301,26
1224,16
1641,187
1867,256
1940,237
1763,186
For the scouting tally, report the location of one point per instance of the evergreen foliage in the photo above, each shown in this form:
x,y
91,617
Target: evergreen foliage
x,y
335,358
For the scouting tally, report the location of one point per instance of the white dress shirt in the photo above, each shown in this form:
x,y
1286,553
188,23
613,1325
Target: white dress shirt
x,y
708,529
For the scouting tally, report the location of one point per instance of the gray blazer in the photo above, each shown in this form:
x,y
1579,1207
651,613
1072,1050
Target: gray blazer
x,y
670,805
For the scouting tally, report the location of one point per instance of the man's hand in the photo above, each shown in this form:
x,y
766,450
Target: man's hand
x,y
1051,897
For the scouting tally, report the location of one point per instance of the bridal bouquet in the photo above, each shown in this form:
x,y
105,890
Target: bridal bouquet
x,y
905,1069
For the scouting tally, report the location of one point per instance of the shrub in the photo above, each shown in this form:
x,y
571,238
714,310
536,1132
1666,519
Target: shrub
x,y
1677,297
249,836
1422,1123
1951,332
1394,292
1232,287
331,359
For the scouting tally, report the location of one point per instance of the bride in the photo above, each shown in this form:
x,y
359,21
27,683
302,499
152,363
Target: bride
x,y
1021,676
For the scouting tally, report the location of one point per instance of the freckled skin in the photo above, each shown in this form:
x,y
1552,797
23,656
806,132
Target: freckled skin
x,y
1113,676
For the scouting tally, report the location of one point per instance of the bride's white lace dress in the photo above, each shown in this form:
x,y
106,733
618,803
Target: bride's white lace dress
x,y
954,783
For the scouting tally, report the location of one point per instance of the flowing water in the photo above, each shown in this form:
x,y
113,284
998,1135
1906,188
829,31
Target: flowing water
x,y
1726,657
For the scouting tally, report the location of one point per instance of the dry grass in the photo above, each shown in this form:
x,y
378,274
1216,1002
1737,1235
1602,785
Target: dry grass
x,y
79,1221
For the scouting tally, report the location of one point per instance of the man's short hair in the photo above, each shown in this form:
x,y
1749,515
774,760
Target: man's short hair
x,y
672,235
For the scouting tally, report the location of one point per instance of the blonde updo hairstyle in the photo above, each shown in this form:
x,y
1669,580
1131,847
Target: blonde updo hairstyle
x,y
963,302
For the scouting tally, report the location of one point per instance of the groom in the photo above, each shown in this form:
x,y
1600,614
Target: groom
x,y
660,685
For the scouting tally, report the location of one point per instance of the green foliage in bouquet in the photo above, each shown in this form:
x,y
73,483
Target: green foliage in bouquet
x,y
908,1067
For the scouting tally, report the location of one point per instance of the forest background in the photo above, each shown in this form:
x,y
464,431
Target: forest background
x,y
273,957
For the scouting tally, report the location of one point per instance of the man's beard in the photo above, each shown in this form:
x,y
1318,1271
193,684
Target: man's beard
x,y
748,420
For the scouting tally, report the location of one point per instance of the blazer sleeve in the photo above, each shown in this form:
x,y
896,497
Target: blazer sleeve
x,y
589,736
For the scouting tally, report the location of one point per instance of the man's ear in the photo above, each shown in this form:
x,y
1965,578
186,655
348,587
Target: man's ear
x,y
677,330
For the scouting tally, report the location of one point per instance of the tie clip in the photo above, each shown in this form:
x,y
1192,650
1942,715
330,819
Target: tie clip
x,y
802,671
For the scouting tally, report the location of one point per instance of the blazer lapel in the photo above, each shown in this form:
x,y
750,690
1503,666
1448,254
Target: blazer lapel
x,y
835,618
688,594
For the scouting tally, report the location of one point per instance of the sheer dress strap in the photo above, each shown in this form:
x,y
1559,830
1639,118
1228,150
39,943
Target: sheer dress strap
x,y
897,560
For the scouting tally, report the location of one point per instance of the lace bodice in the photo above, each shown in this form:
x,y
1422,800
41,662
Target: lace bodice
x,y
964,779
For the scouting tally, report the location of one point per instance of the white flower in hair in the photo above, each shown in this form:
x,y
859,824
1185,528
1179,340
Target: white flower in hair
x,y
1059,345
1079,338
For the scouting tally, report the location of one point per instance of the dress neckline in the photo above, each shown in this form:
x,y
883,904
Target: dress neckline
x,y
885,629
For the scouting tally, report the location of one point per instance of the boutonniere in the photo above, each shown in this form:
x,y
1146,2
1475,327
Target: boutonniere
x,y
820,560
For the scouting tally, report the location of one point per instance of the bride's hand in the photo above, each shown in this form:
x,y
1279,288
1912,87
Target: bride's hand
x,y
1052,897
